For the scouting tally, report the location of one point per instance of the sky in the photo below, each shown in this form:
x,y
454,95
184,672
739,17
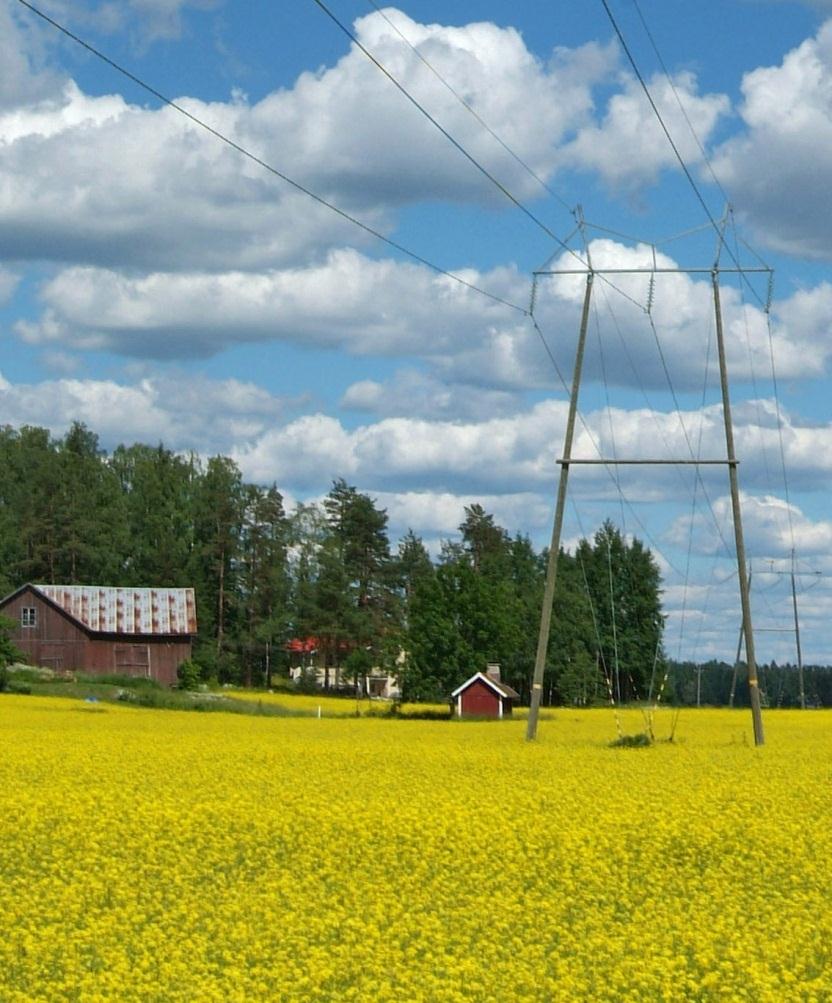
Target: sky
x,y
159,285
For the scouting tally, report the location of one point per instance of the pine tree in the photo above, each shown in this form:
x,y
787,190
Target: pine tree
x,y
358,563
92,542
158,488
435,654
485,542
218,518
264,579
625,588
36,493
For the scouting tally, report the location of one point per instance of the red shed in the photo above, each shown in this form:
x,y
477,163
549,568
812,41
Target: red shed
x,y
484,695
135,632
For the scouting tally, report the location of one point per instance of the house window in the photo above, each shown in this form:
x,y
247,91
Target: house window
x,y
29,616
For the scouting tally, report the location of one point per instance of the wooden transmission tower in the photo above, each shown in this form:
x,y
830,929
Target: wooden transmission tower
x,y
792,573
568,460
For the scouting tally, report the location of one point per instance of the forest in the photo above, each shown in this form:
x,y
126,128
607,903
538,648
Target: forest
x,y
145,516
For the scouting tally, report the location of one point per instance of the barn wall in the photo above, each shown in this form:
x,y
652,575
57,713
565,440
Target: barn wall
x,y
480,700
166,657
128,655
54,642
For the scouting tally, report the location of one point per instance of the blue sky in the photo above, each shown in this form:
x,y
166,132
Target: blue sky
x,y
158,286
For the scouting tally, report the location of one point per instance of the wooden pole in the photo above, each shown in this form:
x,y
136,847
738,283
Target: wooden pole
x,y
739,652
797,641
557,526
753,682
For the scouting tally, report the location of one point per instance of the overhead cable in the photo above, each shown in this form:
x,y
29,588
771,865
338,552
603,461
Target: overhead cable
x,y
562,243
470,108
645,532
658,115
679,102
752,370
451,139
268,167
686,436
685,169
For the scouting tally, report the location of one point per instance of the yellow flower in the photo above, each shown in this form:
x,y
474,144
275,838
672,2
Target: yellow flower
x,y
160,856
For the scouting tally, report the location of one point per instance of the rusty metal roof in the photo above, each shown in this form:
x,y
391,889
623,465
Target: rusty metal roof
x,y
110,610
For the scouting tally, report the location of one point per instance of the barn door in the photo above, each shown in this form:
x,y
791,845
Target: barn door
x,y
132,659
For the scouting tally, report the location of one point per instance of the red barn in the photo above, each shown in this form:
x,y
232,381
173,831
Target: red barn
x,y
134,632
484,695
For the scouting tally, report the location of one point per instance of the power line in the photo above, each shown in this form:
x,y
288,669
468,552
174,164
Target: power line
x,y
658,114
660,432
577,212
692,526
679,100
637,376
780,430
646,534
734,254
677,406
268,167
470,108
451,139
678,410
694,187
757,403
717,182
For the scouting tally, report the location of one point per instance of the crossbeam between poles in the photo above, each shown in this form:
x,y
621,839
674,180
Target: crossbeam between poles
x,y
566,461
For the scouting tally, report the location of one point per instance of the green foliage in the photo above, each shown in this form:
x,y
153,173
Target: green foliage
x,y
9,654
478,606
217,666
264,583
639,741
307,681
358,664
483,605
146,516
158,487
214,565
188,675
116,679
578,681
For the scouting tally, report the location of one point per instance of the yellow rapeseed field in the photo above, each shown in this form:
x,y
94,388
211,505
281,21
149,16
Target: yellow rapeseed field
x,y
172,856
313,703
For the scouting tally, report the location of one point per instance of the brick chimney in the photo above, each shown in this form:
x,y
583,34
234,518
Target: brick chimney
x,y
492,670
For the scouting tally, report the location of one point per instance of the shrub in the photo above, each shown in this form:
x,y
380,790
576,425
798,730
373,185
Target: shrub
x,y
189,675
307,681
119,679
8,652
9,684
639,741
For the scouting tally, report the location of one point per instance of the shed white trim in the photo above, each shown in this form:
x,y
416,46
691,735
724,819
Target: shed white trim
x,y
490,683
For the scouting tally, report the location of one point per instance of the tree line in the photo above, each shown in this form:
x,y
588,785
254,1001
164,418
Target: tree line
x,y
711,684
145,516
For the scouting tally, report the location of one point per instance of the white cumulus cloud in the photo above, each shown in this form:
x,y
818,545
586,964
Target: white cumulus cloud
x,y
778,168
629,148
366,306
97,180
